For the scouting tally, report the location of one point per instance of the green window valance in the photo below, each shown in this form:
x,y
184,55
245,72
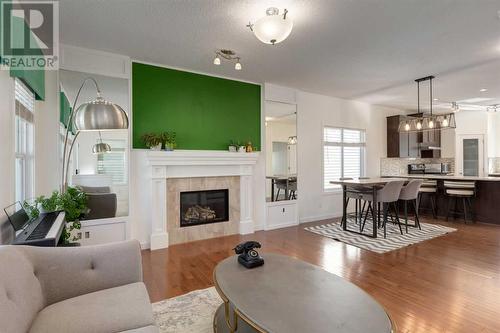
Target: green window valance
x,y
65,111
34,79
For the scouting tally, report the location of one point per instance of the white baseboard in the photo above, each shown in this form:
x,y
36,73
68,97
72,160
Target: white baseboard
x,y
159,241
246,227
145,246
319,217
279,226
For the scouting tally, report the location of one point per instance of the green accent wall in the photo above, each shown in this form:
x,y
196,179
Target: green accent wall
x,y
206,112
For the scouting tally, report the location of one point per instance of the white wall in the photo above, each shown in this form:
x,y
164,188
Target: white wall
x,y
7,156
313,113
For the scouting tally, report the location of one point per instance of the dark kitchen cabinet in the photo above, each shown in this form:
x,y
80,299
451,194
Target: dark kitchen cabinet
x,y
401,144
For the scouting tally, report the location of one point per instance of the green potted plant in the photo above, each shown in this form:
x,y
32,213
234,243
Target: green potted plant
x,y
74,204
169,140
152,141
233,146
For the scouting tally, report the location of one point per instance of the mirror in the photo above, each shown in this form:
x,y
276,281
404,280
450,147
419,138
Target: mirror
x,y
281,151
99,160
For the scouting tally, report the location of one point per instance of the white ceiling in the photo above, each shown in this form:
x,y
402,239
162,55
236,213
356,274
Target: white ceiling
x,y
370,50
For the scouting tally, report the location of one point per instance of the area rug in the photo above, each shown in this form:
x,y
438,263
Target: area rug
x,y
394,238
189,313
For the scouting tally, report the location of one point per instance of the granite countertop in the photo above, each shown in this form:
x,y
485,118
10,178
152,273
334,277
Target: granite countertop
x,y
448,177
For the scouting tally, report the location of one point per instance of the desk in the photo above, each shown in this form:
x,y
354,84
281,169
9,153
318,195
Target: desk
x,y
375,184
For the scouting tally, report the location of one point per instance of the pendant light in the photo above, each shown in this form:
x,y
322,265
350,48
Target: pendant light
x,y
427,122
272,28
101,147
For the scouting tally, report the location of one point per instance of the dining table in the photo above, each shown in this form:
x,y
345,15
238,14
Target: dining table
x,y
373,184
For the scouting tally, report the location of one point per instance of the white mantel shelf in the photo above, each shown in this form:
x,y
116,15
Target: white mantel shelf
x,y
201,157
197,163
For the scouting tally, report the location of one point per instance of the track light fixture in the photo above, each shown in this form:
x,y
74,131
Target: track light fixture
x,y
228,55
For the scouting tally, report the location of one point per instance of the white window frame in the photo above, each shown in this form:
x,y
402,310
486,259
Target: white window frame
x,y
342,144
24,143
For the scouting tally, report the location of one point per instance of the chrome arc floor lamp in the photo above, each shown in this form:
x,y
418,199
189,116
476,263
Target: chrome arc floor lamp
x,y
96,115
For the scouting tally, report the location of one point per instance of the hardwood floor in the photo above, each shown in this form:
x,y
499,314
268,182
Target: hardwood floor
x,y
447,284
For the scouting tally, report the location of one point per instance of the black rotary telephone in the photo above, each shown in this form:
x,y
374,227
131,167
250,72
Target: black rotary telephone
x,y
248,256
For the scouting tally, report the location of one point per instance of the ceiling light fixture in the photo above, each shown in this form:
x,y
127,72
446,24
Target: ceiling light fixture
x,y
272,28
455,107
493,108
427,122
483,90
228,55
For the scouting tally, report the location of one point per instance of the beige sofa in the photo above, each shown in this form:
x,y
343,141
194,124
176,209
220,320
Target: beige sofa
x,y
82,289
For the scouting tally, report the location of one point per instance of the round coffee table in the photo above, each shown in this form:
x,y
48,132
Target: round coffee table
x,y
288,295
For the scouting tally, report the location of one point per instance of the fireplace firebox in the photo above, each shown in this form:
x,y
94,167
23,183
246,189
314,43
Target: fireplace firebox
x,y
202,207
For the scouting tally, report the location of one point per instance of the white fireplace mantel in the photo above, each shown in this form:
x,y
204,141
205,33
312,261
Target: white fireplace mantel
x,y
195,163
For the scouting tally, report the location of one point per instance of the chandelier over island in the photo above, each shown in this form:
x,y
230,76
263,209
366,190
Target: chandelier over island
x,y
427,121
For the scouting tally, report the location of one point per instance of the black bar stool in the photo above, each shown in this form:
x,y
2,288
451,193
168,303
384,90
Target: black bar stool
x,y
456,190
429,189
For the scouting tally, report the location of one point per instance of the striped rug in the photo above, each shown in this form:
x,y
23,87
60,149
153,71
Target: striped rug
x,y
394,238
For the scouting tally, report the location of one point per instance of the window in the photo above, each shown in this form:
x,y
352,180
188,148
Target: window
x,y
24,149
343,154
114,162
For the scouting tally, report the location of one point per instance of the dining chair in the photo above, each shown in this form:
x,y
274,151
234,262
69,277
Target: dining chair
x,y
387,196
409,194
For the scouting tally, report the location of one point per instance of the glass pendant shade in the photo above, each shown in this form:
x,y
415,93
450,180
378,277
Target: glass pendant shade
x,y
100,115
273,28
101,148
217,61
237,66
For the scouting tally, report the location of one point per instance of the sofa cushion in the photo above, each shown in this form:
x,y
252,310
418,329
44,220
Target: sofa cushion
x,y
109,310
146,329
20,291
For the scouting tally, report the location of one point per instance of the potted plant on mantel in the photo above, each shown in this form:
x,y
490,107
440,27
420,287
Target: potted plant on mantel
x,y
73,202
153,141
169,140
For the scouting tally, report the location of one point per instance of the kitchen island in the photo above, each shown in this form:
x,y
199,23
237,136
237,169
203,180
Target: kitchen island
x,y
486,204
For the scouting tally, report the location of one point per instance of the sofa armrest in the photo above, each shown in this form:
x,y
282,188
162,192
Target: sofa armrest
x,y
68,272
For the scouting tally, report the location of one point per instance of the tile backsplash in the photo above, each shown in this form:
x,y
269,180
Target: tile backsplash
x,y
399,166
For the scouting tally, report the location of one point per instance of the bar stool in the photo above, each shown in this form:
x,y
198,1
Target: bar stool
x,y
388,196
429,188
456,190
409,193
355,193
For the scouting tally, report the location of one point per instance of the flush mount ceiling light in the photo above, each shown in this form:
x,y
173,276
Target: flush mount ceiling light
x,y
272,28
427,122
228,55
493,108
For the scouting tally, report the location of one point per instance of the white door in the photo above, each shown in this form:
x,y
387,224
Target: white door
x,y
470,155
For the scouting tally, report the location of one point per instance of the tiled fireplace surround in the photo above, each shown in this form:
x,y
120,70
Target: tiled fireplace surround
x,y
178,171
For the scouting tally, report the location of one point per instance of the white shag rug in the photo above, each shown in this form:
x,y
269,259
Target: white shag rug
x,y
189,313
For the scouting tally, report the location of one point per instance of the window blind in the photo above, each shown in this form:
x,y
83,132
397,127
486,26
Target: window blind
x,y
343,154
113,163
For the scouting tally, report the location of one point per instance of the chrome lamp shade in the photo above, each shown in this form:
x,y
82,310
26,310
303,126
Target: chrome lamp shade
x,y
101,148
100,115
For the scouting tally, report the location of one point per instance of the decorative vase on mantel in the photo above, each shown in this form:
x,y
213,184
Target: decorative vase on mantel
x,y
157,147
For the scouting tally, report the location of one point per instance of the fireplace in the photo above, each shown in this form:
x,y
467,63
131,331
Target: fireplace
x,y
203,207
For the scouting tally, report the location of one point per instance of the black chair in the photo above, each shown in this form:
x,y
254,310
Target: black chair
x,y
460,191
